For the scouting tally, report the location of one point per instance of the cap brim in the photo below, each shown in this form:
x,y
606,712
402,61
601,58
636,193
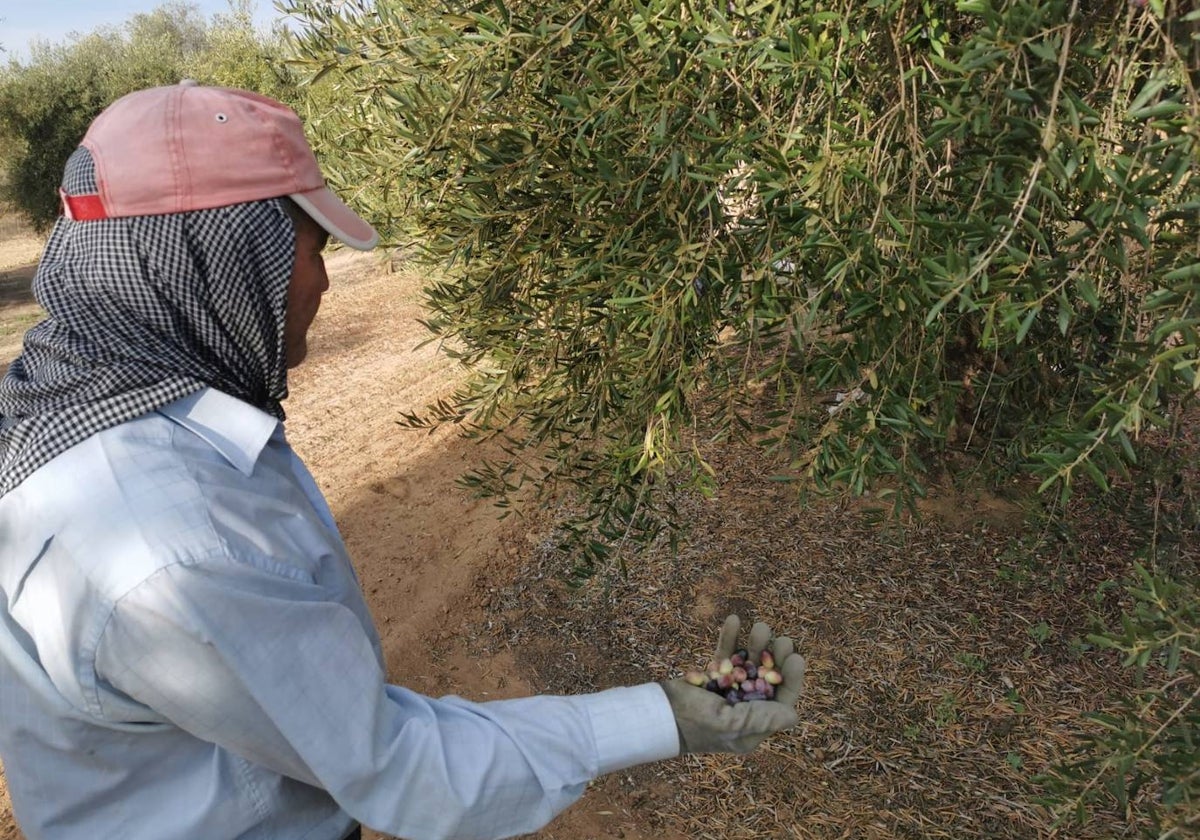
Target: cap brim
x,y
342,223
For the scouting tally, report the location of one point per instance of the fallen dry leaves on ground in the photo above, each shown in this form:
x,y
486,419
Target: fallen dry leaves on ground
x,y
947,658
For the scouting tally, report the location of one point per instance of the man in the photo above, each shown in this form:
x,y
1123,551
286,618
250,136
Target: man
x,y
184,648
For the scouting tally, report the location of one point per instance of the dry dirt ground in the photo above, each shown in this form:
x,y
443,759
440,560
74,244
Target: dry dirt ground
x,y
945,661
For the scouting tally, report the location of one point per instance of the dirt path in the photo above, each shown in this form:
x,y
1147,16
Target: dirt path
x,y
419,543
18,312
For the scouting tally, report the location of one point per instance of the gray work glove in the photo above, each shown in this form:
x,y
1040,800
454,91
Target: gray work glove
x,y
708,724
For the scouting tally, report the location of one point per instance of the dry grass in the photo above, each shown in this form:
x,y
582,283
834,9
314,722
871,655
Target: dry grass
x,y
947,666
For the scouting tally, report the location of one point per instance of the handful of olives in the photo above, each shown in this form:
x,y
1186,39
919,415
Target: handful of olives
x,y
737,678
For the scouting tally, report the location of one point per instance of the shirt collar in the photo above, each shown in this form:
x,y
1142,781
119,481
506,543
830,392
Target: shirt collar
x,y
237,430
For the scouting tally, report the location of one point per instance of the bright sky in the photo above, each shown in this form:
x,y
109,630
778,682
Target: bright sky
x,y
52,20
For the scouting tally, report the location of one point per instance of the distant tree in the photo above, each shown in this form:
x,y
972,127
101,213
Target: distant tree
x,y
47,102
236,55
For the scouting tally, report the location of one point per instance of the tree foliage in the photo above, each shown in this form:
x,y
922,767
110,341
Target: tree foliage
x,y
47,103
236,55
972,225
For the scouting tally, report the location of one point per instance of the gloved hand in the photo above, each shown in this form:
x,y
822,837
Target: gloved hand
x,y
708,724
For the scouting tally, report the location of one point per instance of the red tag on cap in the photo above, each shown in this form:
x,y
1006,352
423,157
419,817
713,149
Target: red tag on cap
x,y
83,208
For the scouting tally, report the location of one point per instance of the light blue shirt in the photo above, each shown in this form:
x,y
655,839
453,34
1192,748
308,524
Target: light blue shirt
x,y
185,653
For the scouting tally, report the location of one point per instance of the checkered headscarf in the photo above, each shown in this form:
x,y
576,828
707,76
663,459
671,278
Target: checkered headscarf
x,y
144,310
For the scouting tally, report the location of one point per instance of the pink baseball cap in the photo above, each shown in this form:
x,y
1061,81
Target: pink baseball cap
x,y
189,147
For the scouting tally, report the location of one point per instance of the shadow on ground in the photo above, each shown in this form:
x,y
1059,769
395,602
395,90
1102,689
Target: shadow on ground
x,y
16,286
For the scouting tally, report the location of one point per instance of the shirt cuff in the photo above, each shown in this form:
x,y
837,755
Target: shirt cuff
x,y
631,725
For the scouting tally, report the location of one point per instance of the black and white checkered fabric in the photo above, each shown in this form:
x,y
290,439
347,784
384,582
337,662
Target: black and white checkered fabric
x,y
142,311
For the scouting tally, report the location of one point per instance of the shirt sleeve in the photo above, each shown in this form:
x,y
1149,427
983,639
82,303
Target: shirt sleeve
x,y
271,669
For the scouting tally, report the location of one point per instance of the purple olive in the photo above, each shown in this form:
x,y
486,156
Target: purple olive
x,y
737,678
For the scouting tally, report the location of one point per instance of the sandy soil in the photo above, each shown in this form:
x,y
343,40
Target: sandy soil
x,y
18,312
419,542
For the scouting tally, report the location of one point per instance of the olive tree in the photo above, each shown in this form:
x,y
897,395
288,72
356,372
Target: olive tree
x,y
870,234
877,236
